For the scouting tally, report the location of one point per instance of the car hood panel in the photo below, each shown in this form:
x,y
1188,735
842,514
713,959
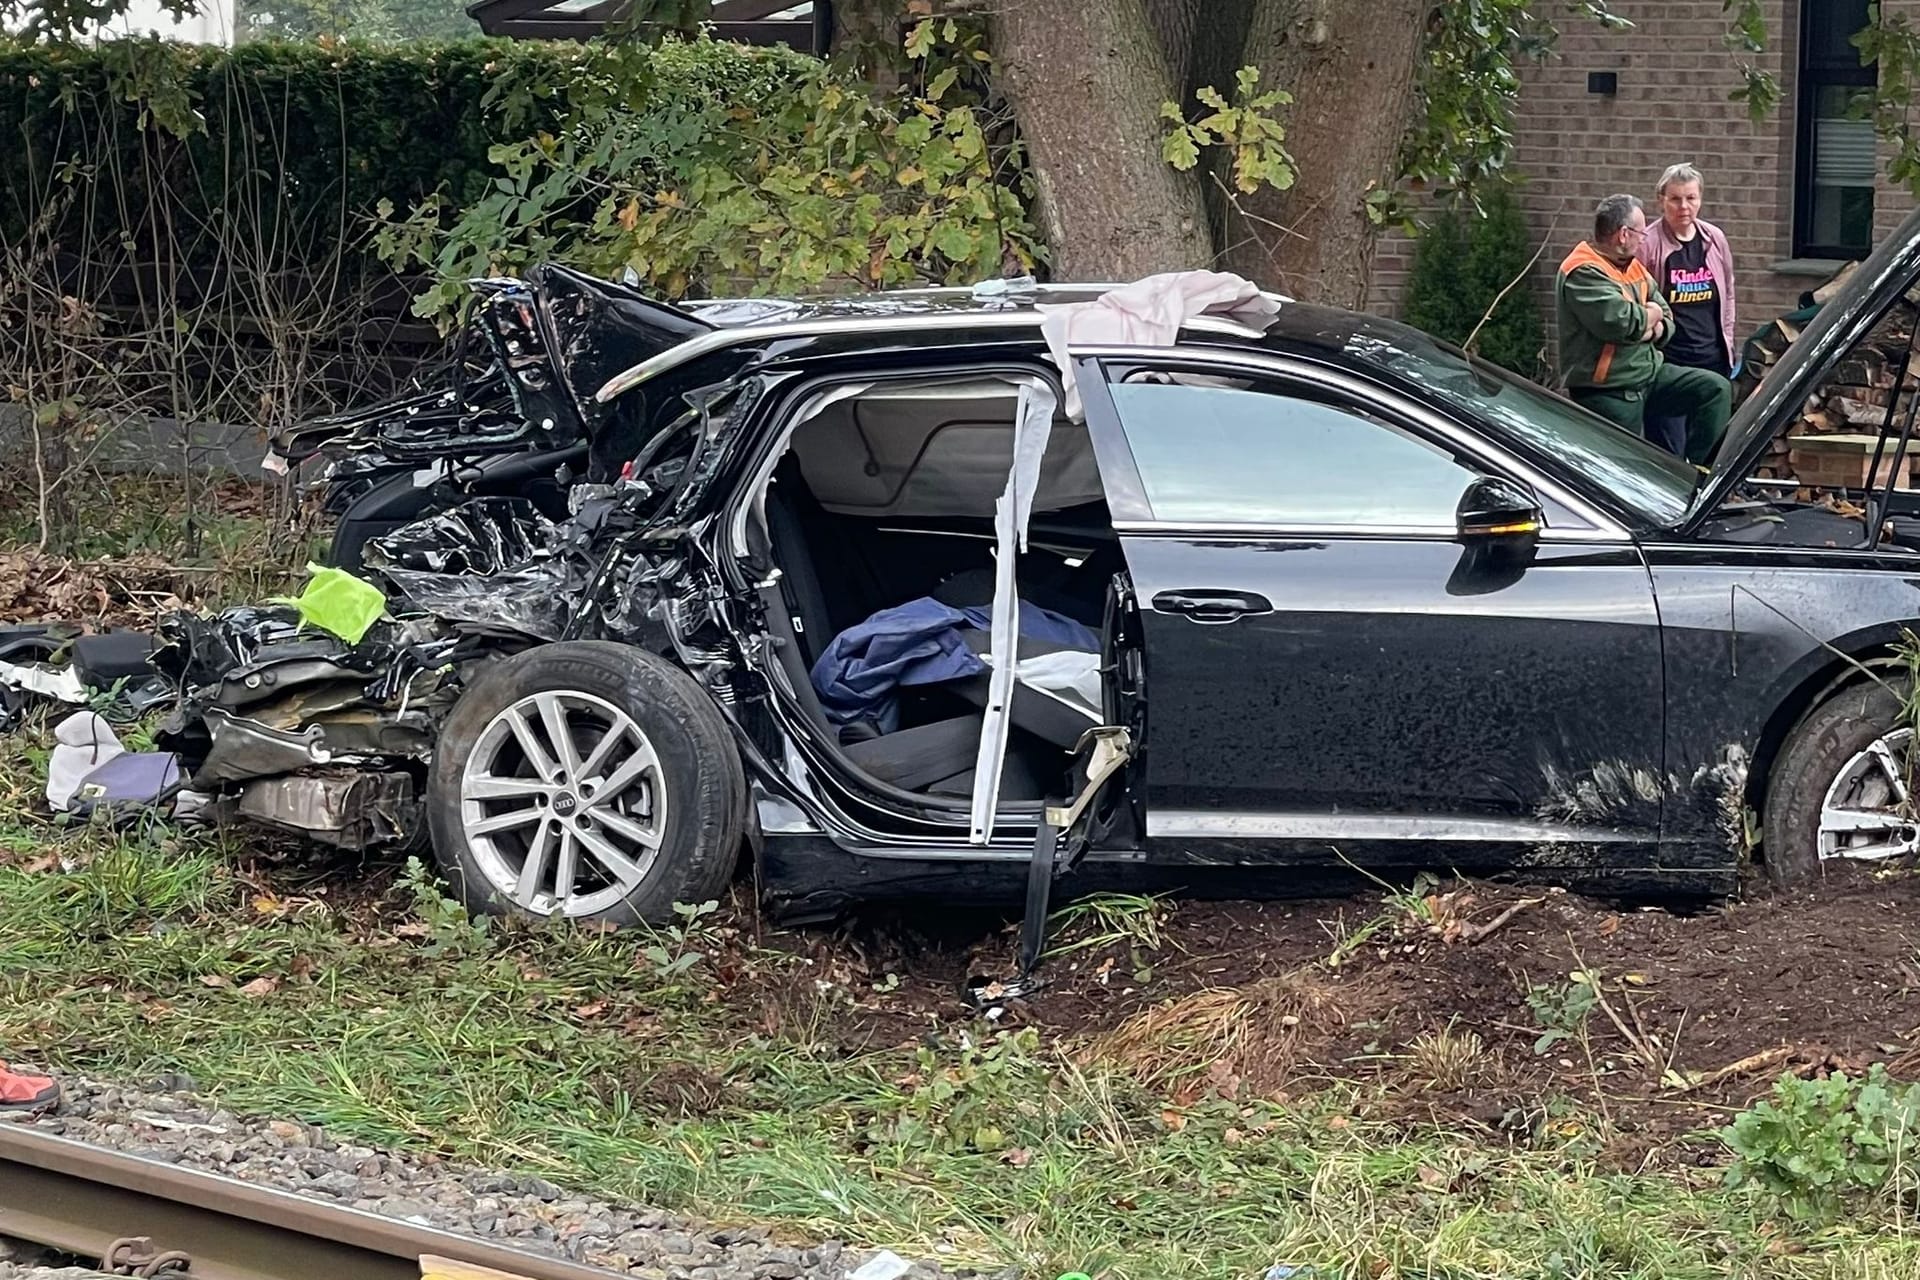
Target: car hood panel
x,y
1887,273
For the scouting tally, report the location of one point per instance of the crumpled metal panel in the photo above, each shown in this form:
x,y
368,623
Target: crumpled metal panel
x,y
245,749
349,810
492,563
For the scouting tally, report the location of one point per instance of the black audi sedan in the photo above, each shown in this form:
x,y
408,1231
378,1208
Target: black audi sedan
x,y
878,591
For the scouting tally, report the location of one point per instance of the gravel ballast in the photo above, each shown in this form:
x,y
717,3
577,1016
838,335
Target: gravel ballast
x,y
171,1124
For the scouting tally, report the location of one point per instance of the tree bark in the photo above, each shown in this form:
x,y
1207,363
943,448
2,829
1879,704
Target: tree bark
x,y
1175,23
1351,70
1202,40
1087,81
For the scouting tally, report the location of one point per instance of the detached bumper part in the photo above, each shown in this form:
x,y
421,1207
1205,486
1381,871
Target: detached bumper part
x,y
354,811
62,684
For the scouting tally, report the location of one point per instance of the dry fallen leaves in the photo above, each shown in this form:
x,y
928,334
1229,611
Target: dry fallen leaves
x,y
127,591
261,986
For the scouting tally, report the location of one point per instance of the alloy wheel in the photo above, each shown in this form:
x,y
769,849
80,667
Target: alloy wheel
x,y
1868,811
563,804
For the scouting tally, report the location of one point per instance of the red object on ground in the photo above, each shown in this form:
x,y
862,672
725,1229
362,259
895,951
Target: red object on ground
x,y
22,1092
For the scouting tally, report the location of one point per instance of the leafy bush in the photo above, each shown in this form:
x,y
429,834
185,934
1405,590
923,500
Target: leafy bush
x,y
1816,1143
800,181
189,231
1461,263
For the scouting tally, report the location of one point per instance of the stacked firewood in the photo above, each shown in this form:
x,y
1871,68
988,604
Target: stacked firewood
x,y
1830,443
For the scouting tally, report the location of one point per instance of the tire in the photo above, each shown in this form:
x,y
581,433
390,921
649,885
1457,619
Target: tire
x,y
1827,755
690,800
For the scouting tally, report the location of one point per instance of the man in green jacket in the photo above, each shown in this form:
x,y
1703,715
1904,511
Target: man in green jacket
x,y
1613,322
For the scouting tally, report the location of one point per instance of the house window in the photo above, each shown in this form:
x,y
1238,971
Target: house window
x,y
1833,209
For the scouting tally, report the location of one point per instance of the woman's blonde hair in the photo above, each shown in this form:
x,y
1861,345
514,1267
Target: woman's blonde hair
x,y
1682,173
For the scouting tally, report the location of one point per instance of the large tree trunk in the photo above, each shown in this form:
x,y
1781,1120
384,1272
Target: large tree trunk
x,y
867,33
1351,70
1204,41
1087,81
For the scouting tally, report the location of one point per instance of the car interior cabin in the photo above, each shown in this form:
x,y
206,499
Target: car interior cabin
x,y
878,510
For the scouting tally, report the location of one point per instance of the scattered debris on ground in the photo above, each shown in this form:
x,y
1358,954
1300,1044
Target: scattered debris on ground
x,y
127,591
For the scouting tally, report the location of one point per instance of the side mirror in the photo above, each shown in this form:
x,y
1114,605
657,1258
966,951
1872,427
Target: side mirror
x,y
1496,508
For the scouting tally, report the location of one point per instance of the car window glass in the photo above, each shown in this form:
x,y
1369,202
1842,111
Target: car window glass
x,y
1638,474
1222,455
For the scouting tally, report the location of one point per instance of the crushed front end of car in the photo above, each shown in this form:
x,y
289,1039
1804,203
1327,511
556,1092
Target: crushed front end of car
x,y
286,724
301,730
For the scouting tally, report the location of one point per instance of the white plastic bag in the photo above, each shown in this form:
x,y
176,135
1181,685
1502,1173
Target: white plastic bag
x,y
82,743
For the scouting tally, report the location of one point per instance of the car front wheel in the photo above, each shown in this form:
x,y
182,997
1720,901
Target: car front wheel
x,y
1843,786
588,780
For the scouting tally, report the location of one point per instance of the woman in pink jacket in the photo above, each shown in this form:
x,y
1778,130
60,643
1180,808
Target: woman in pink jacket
x,y
1691,263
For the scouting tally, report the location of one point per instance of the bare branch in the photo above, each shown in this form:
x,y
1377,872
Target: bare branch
x,y
1498,298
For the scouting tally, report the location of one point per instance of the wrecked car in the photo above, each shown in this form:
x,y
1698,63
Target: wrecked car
x,y
941,592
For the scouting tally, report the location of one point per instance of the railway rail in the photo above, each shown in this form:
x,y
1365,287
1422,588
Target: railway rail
x,y
134,1216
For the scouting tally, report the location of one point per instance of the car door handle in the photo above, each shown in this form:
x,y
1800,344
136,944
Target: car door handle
x,y
1211,606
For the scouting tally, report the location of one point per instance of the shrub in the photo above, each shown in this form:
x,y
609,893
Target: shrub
x,y
1461,263
188,231
155,136
1816,1143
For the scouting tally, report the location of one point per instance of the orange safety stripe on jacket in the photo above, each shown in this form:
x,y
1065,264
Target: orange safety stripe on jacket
x,y
1636,285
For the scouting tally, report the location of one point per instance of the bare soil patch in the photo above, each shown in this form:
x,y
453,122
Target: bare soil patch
x,y
1698,1012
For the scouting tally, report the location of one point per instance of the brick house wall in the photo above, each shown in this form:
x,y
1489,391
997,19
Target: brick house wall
x,y
1675,75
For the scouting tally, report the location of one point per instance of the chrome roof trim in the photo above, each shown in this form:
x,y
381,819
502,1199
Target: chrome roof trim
x,y
1011,318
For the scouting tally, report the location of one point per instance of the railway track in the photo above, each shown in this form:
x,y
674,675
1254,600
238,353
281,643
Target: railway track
x,y
142,1217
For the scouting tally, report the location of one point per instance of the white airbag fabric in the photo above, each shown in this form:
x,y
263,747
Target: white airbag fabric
x,y
1067,674
1033,425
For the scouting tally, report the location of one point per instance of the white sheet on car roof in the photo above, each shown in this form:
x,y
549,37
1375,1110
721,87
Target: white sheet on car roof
x,y
1146,313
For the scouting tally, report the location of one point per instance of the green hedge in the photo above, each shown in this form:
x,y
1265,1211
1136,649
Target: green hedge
x,y
291,144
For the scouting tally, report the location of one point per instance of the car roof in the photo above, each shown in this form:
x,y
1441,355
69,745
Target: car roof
x,y
936,317
828,309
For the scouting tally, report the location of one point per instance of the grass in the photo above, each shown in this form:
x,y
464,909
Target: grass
x,y
393,1019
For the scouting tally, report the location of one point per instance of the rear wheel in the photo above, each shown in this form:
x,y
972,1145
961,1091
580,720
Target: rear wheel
x,y
589,780
1843,787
